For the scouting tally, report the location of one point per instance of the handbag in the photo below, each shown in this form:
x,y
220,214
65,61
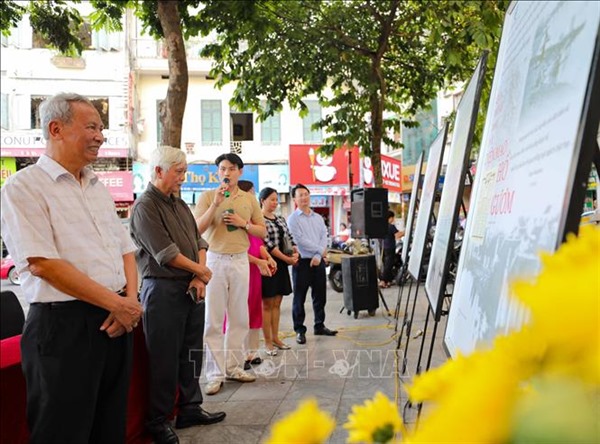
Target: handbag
x,y
287,247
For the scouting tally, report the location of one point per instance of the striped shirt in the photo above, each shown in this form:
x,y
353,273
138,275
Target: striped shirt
x,y
47,213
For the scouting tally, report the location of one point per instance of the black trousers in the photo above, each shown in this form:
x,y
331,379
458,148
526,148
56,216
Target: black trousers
x,y
174,331
389,256
77,377
305,277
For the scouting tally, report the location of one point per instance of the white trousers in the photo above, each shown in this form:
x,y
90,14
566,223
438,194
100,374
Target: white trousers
x,y
227,292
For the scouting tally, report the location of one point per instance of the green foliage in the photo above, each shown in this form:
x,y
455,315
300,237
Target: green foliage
x,y
57,22
381,61
373,63
10,15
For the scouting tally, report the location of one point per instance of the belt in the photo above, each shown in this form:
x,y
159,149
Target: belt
x,y
230,255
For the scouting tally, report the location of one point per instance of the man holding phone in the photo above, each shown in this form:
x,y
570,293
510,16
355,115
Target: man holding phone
x,y
171,257
228,214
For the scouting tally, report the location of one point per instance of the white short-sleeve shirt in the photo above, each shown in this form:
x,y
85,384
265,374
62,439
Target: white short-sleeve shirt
x,y
47,213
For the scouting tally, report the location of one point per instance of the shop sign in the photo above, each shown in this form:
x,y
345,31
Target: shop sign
x,y
274,176
201,177
33,144
119,184
308,167
390,173
8,167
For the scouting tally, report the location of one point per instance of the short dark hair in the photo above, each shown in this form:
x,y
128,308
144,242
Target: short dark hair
x,y
245,185
232,157
297,187
265,193
391,214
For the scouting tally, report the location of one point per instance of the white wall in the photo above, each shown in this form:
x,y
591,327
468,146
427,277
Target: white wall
x,y
151,88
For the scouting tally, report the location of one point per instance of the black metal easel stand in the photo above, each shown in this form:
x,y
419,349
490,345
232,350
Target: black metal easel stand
x,y
407,323
401,283
431,345
387,309
404,320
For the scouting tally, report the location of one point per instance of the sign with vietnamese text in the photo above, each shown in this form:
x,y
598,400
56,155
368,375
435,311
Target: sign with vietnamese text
x,y
201,177
536,151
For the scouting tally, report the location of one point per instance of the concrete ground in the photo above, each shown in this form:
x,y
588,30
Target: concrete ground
x,y
338,371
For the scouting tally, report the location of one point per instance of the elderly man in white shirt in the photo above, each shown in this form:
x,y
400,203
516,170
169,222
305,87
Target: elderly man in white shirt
x,y
77,268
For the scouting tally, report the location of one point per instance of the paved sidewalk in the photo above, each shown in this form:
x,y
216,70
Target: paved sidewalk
x,y
338,371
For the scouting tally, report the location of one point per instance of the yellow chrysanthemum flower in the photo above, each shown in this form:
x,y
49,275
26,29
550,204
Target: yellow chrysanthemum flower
x,y
375,421
306,425
432,385
477,406
565,306
494,395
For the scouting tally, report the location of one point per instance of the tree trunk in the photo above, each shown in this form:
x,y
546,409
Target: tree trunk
x,y
173,107
376,136
377,103
379,93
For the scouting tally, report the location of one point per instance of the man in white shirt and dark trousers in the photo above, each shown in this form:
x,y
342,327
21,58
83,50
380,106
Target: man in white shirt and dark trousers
x,y
310,234
77,268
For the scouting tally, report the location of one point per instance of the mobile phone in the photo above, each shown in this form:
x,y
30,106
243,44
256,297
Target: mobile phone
x,y
193,293
230,227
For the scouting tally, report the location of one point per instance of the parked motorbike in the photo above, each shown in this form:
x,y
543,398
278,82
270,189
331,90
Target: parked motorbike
x,y
335,256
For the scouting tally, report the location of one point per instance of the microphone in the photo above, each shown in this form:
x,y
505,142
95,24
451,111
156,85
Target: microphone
x,y
226,193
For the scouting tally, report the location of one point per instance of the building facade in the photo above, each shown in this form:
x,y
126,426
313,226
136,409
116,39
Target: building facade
x,y
126,76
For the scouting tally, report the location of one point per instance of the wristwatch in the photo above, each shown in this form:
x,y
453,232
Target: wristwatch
x,y
247,226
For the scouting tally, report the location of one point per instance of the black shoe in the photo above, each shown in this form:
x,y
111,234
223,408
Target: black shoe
x,y
301,338
197,416
247,365
163,434
325,332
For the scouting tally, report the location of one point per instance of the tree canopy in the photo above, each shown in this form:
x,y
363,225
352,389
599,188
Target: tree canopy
x,y
372,63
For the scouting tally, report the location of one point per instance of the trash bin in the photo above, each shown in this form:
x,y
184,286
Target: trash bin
x,y
359,275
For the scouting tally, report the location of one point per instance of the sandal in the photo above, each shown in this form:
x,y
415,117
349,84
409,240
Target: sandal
x,y
272,352
282,346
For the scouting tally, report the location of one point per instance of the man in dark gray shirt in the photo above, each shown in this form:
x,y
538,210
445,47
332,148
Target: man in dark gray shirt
x,y
171,257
